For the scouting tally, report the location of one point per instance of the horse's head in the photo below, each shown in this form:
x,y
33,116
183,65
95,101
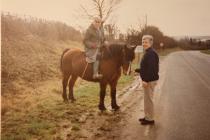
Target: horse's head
x,y
123,53
128,57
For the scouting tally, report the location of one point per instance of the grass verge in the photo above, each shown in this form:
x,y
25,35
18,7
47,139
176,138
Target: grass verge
x,y
43,115
206,51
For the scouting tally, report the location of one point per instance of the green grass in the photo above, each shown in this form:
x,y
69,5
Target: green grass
x,y
206,51
50,115
125,80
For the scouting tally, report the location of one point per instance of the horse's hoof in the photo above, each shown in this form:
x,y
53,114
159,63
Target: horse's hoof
x,y
102,108
65,101
116,107
73,100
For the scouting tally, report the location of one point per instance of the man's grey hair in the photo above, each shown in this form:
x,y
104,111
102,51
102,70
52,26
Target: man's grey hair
x,y
149,37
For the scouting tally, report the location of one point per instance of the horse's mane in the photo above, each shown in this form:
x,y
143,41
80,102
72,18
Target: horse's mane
x,y
113,50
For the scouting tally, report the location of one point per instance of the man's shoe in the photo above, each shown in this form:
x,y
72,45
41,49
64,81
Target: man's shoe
x,y
142,119
146,122
97,76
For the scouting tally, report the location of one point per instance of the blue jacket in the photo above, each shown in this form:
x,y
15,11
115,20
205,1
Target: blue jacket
x,y
149,66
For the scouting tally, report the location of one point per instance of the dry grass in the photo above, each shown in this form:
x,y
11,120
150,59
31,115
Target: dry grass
x,y
28,61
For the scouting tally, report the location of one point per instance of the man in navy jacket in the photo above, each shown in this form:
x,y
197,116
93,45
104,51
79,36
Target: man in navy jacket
x,y
149,68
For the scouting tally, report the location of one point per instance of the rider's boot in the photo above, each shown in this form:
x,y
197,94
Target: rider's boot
x,y
96,75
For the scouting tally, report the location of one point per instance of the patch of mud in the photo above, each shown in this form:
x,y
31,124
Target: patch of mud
x,y
105,125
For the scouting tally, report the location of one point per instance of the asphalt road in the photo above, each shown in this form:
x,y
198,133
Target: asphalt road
x,y
182,102
183,107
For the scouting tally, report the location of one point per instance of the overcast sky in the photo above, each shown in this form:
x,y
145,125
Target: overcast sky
x,y
173,17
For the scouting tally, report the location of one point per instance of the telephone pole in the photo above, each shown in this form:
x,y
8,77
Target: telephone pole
x,y
146,20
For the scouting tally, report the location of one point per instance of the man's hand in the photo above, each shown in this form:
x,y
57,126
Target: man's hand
x,y
144,84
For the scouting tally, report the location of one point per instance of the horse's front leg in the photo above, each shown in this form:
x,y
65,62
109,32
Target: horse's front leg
x,y
113,96
101,105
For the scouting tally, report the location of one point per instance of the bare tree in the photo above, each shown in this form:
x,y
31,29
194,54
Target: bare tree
x,y
101,8
111,31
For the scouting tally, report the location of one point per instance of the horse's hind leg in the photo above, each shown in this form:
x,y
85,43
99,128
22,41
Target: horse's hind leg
x,y
65,82
71,85
101,105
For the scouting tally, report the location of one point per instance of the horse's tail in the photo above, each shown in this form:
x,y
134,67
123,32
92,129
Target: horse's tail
x,y
62,57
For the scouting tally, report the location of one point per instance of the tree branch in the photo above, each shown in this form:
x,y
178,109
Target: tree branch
x,y
86,12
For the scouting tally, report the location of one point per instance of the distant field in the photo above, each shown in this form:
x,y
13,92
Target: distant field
x,y
164,52
206,51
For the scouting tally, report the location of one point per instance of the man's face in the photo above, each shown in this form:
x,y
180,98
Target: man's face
x,y
97,24
146,43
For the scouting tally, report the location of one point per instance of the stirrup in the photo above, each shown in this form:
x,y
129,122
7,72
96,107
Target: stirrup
x,y
97,76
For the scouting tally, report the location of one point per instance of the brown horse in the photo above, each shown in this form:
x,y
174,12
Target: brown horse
x,y
114,57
